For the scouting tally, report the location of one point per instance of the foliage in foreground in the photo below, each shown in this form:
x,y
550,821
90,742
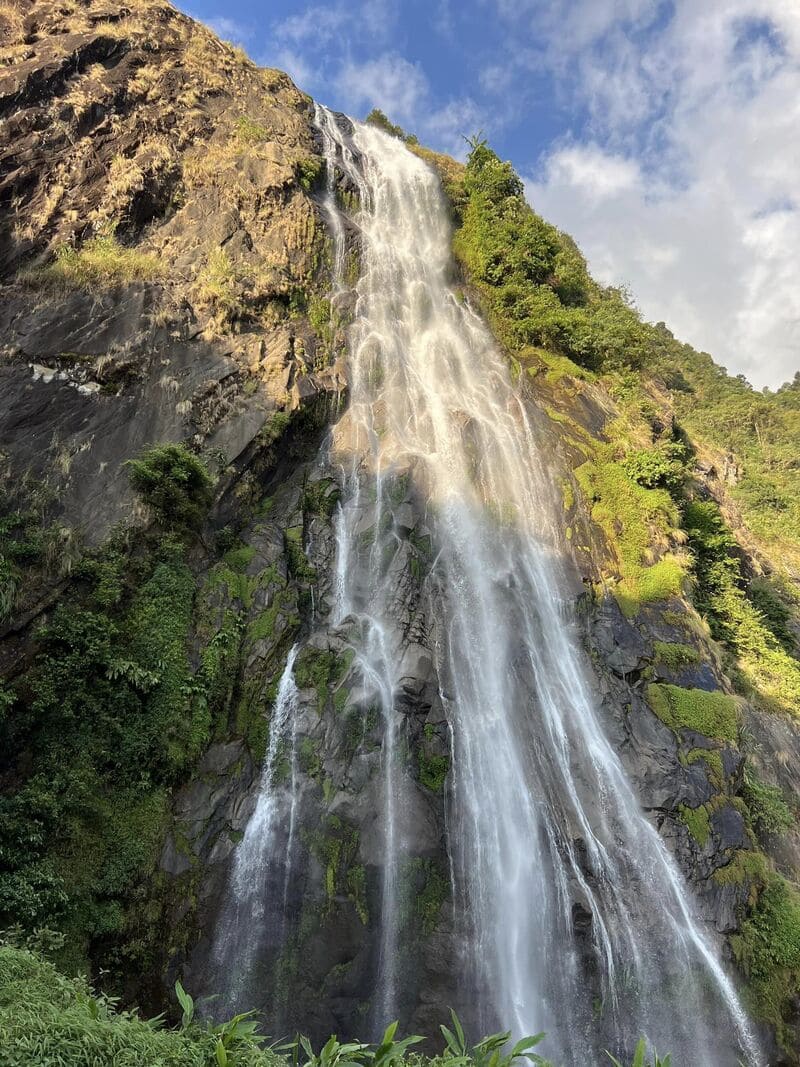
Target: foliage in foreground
x,y
49,1020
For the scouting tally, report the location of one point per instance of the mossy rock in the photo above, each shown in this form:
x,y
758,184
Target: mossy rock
x,y
714,715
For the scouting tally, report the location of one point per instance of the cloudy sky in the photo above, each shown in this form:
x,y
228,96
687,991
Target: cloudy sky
x,y
664,135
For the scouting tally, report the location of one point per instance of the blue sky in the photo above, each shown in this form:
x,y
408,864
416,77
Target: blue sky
x,y
664,135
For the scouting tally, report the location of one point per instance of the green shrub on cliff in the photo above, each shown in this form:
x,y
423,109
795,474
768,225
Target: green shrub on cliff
x,y
48,1020
761,665
767,948
534,280
174,484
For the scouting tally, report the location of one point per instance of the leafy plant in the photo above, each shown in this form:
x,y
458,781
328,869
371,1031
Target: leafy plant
x,y
174,483
490,1051
639,1058
187,1005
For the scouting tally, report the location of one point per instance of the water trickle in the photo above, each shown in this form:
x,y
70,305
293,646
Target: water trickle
x,y
252,927
573,916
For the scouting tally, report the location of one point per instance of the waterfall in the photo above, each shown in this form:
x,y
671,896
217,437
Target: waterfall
x,y
252,926
573,916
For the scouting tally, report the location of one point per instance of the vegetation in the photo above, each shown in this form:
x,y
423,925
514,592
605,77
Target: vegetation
x,y
377,118
534,281
760,663
220,287
711,714
101,262
635,519
768,949
174,484
108,723
769,813
48,1020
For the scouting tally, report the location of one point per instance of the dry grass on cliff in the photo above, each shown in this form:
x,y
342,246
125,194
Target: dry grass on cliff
x,y
102,262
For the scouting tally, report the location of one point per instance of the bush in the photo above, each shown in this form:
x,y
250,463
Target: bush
x,y
174,484
764,669
768,949
48,1020
769,812
658,468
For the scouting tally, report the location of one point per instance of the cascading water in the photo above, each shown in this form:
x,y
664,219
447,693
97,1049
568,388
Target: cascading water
x,y
545,833
252,926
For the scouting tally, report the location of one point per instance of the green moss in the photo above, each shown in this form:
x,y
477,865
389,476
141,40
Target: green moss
x,y
357,891
425,891
321,669
239,558
633,519
675,654
697,821
336,845
713,760
433,770
296,559
308,757
711,714
320,498
746,865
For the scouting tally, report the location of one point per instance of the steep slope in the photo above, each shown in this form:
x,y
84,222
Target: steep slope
x,y
168,279
159,259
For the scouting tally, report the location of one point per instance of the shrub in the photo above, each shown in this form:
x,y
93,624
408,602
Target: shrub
x,y
48,1019
767,948
250,132
769,812
174,484
765,670
309,171
633,518
220,286
658,468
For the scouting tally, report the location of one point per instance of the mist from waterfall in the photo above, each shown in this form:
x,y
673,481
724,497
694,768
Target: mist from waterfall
x,y
572,916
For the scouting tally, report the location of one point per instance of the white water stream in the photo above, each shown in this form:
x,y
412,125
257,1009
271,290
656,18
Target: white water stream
x,y
251,928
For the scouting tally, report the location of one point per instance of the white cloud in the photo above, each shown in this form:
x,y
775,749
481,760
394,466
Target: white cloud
x,y
389,82
687,185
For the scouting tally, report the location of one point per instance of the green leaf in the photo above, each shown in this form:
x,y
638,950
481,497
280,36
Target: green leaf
x,y
186,1003
221,1054
525,1043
